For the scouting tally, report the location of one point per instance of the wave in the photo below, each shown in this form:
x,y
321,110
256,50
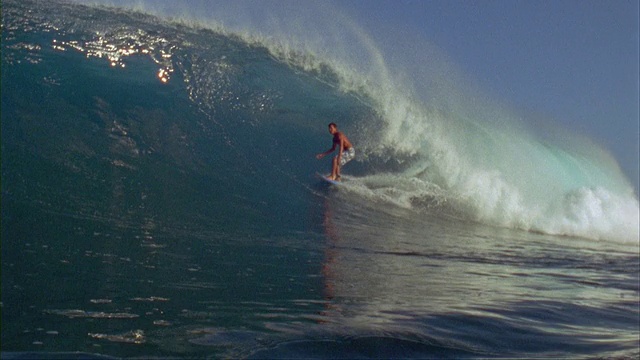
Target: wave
x,y
452,142
428,139
458,146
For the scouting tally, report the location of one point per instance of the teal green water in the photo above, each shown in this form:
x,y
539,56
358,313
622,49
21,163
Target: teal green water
x,y
159,200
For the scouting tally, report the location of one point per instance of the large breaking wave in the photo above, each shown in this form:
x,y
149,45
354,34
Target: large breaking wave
x,y
427,138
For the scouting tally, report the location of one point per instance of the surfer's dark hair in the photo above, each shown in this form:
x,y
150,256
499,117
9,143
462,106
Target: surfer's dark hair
x,y
333,124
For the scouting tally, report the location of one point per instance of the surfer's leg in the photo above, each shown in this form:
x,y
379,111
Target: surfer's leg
x,y
335,170
347,156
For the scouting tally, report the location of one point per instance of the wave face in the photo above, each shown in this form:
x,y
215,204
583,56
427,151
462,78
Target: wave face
x,y
111,115
432,137
174,114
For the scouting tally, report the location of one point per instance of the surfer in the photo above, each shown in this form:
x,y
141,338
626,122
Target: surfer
x,y
346,152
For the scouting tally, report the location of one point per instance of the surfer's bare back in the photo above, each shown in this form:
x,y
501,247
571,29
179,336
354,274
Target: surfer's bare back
x,y
346,152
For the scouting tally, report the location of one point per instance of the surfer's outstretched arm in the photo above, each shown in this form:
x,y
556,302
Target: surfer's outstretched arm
x,y
321,155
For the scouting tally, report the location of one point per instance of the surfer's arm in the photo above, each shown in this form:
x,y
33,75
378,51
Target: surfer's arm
x,y
321,155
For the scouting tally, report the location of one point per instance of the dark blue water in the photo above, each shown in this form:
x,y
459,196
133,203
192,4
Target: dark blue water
x,y
159,200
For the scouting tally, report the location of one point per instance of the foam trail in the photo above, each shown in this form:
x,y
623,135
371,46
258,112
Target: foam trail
x,y
454,143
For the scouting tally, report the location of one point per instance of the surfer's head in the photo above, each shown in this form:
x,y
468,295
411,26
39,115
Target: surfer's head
x,y
333,128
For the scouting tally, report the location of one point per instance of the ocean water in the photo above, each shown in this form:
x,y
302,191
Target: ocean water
x,y
159,200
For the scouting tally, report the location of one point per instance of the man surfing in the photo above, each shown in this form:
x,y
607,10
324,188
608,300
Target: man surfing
x,y
346,152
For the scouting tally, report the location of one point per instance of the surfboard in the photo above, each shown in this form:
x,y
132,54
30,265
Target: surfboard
x,y
327,180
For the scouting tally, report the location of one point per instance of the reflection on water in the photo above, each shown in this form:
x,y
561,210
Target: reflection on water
x,y
413,284
465,284
375,281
